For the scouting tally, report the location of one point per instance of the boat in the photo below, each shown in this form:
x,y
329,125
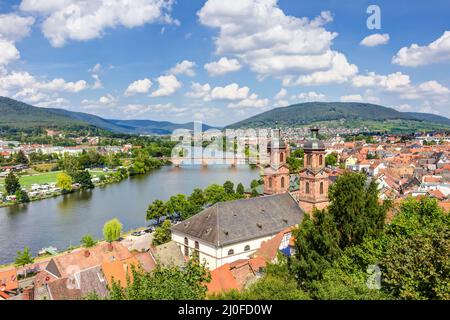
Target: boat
x,y
50,250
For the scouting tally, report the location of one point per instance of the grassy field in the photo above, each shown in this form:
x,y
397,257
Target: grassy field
x,y
42,178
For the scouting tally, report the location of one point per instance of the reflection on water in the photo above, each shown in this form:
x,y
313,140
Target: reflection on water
x,y
64,220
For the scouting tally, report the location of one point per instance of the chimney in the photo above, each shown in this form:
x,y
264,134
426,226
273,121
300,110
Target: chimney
x,y
28,293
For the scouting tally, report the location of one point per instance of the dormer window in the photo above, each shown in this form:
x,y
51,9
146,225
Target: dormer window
x,y
230,252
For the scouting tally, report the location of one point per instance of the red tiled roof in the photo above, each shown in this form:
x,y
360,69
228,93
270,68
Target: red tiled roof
x,y
8,280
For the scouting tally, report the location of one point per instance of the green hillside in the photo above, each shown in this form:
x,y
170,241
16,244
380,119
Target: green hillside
x,y
16,114
339,114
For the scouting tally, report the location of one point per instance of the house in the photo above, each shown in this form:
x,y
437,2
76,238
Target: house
x,y
236,275
282,242
230,231
9,283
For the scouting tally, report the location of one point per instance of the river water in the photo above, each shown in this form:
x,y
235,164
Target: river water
x,y
64,220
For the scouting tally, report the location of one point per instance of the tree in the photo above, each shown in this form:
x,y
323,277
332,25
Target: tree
x,y
215,193
22,196
294,164
112,230
64,182
299,153
84,178
240,189
316,247
177,204
88,241
24,258
228,186
197,198
164,283
355,208
21,158
254,193
11,183
331,159
415,262
255,183
162,234
156,210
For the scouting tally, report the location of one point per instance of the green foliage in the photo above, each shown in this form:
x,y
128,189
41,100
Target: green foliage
x,y
256,183
316,247
165,283
355,208
22,196
416,261
294,164
88,241
215,193
112,230
64,181
20,157
197,198
228,187
299,153
83,177
331,159
162,234
12,184
254,193
156,210
24,258
177,204
240,189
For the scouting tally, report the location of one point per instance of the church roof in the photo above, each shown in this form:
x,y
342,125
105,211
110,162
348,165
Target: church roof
x,y
230,222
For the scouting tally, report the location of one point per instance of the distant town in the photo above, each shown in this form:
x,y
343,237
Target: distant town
x,y
234,233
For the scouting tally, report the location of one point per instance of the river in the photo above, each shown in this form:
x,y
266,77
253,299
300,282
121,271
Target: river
x,y
64,220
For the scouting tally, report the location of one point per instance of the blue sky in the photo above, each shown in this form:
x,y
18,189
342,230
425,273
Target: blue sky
x,y
221,61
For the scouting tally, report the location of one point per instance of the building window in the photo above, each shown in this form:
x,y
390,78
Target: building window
x,y
247,248
308,160
307,187
281,157
270,182
321,160
197,246
282,182
321,188
186,247
230,252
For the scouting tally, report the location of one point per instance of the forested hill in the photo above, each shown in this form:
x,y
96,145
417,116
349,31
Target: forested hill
x,y
347,114
16,114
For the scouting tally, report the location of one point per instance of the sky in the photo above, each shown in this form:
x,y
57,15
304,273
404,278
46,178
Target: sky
x,y
220,61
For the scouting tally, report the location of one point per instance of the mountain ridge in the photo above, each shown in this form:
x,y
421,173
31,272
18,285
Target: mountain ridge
x,y
351,113
18,114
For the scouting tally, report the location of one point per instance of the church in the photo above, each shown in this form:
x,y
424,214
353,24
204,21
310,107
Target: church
x,y
313,179
234,230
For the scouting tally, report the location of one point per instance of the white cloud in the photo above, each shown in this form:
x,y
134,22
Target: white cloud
x,y
138,86
392,82
97,82
251,102
139,110
433,87
14,27
261,35
427,90
352,98
281,94
185,67
230,92
404,107
85,20
62,85
415,55
374,40
310,96
223,66
8,52
168,85
199,91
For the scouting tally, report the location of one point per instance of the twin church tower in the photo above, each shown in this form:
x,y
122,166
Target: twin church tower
x,y
313,181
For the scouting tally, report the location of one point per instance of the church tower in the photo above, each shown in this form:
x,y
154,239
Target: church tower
x,y
313,178
276,175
